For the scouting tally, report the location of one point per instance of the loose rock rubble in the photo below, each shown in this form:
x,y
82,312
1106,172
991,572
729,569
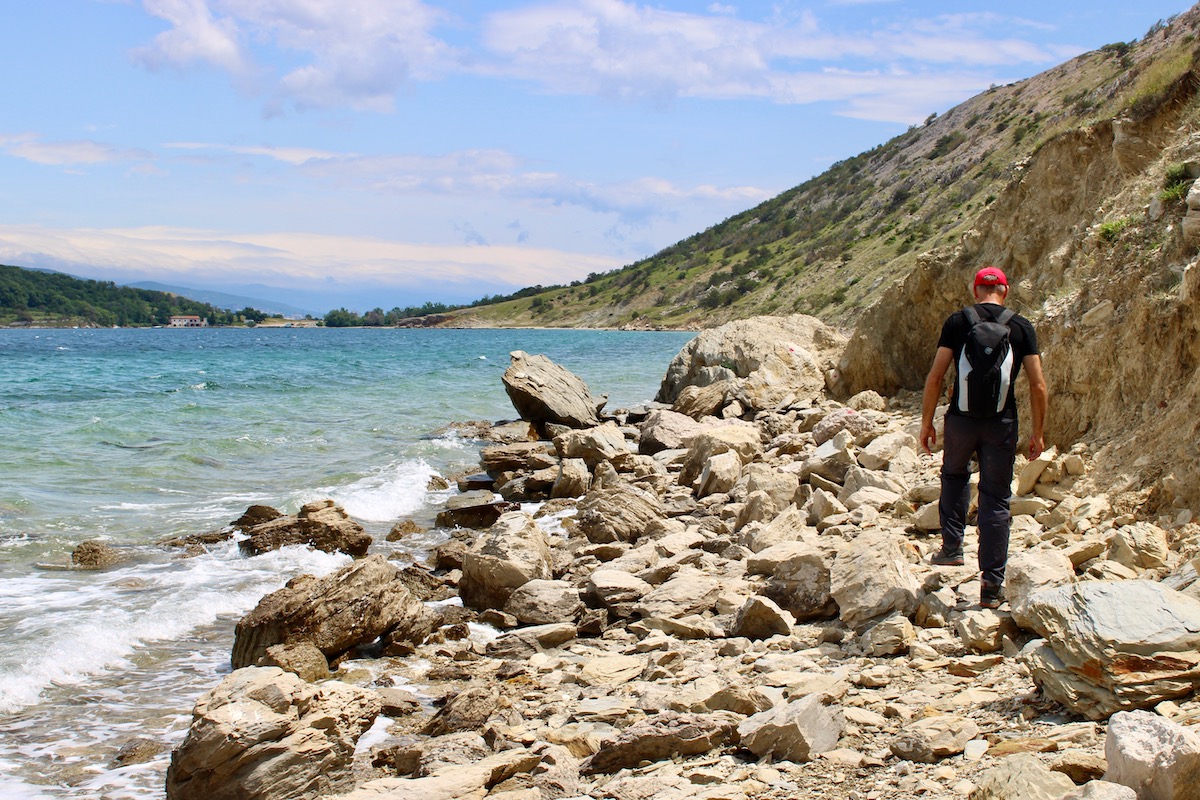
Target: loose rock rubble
x,y
729,605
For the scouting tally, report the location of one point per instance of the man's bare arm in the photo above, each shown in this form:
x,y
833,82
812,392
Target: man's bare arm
x,y
1038,399
933,392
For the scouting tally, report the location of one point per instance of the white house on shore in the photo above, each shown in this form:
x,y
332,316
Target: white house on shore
x,y
187,322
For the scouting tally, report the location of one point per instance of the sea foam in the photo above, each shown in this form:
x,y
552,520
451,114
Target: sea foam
x,y
73,625
386,494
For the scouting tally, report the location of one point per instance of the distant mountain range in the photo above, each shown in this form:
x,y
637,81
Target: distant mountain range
x,y
231,302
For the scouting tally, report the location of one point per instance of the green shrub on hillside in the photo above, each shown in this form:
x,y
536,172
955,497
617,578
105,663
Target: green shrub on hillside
x,y
1176,183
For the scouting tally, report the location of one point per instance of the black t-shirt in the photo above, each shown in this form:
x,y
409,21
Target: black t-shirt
x,y
1022,339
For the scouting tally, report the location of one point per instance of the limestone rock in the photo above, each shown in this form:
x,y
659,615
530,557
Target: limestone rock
x,y
511,553
791,525
1139,546
466,711
1030,572
517,457
573,479
446,750
451,782
761,618
618,514
1114,645
882,450
797,731
137,750
663,736
541,602
304,659
719,474
617,590
543,391
740,439
611,670
666,430
355,605
474,509
593,445
684,594
843,419
1100,790
870,578
791,353
739,699
1021,777
322,525
265,734
890,636
700,402
1031,471
1157,758
867,400
980,630
934,738
936,608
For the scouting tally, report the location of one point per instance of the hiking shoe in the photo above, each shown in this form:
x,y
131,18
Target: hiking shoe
x,y
943,559
990,595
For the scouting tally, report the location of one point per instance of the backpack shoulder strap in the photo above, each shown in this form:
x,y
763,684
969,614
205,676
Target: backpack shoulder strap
x,y
972,315
1005,316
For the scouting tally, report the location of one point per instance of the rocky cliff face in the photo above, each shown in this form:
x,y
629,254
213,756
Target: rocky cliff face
x,y
1100,258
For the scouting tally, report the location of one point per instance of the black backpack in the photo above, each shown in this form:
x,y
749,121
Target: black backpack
x,y
986,365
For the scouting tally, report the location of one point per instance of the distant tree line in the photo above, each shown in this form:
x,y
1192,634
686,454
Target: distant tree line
x,y
377,317
32,296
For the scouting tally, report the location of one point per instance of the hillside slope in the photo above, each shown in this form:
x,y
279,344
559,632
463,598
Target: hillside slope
x,y
825,247
1095,232
1074,182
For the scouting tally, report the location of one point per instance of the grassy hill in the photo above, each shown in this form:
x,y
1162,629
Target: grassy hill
x,y
825,247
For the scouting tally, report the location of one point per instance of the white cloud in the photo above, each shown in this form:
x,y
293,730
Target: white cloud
x,y
491,172
621,49
288,155
322,53
178,254
360,53
195,36
31,147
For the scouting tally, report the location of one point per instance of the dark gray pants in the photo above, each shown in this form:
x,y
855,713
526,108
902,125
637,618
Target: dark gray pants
x,y
994,443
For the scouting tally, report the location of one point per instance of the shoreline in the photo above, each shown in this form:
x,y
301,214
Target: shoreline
x,y
685,606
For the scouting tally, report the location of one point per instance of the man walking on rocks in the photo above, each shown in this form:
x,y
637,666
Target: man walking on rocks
x,y
988,346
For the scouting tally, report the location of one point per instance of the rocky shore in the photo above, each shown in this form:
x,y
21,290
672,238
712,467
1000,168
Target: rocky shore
x,y
724,595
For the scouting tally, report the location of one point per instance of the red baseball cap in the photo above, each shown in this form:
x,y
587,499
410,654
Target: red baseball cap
x,y
990,276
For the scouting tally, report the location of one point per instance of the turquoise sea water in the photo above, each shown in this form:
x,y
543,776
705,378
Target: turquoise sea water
x,y
135,436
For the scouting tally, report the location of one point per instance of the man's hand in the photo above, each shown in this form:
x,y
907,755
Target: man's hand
x,y
928,437
1036,446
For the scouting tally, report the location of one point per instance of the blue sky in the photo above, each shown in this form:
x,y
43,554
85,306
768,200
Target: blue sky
x,y
387,152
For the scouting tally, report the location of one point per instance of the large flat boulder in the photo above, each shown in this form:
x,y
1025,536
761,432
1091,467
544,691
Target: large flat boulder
x,y
1113,645
266,734
355,605
543,391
